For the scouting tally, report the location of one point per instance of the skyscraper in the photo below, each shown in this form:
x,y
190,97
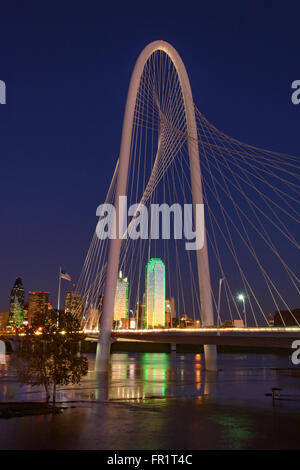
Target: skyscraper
x,y
140,315
121,298
74,303
3,320
155,297
38,303
16,303
170,311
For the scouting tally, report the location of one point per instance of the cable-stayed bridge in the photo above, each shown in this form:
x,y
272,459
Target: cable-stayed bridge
x,y
170,153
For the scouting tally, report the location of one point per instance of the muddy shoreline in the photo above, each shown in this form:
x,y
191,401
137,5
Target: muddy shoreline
x,y
21,409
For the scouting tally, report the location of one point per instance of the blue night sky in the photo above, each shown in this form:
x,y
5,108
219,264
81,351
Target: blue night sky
x,y
67,66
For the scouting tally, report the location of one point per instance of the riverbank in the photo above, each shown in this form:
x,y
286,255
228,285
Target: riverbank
x,y
21,409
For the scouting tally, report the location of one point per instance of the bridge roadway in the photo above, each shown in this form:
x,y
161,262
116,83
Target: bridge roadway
x,y
270,337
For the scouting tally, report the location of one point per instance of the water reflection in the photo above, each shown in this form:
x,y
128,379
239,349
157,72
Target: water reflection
x,y
153,376
131,376
160,400
138,379
159,376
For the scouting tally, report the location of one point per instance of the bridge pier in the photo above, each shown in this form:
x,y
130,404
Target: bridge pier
x,y
103,351
211,357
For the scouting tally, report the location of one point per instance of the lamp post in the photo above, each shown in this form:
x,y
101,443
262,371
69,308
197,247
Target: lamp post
x,y
242,298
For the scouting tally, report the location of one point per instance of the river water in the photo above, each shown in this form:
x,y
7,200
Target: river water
x,y
164,401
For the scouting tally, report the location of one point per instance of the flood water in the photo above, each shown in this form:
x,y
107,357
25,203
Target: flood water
x,y
164,401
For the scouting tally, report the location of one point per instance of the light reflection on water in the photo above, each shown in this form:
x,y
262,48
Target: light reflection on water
x,y
150,376
161,400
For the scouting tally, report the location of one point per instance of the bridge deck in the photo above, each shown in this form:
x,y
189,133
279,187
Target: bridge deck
x,y
255,337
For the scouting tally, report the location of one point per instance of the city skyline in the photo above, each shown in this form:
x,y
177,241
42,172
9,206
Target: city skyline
x,y
35,252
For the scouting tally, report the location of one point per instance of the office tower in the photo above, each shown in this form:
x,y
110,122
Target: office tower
x,y
93,315
38,303
140,315
16,305
25,312
155,293
170,311
74,303
3,320
121,298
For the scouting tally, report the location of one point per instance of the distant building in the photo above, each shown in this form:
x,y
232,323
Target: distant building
x,y
233,324
170,311
93,314
124,323
74,303
238,323
3,320
25,312
121,298
186,322
38,303
16,305
140,315
155,296
287,318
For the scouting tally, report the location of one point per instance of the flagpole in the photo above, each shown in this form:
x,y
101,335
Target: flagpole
x,y
58,297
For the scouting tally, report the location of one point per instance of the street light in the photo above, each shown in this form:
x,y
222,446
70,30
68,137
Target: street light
x,y
242,298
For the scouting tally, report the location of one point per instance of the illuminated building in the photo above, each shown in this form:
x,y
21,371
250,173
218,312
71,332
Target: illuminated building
x,y
170,311
16,305
155,293
93,317
73,303
140,314
121,298
38,303
186,322
3,320
25,312
124,323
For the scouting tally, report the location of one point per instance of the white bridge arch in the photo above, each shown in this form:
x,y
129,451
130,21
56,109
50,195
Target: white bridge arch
x,y
104,342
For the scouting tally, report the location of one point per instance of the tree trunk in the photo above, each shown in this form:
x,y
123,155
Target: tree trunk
x,y
54,394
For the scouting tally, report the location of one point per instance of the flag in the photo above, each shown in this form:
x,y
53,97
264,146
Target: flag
x,y
64,275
